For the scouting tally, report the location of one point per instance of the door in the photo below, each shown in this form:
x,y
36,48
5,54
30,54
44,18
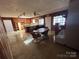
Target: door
x,y
5,51
8,25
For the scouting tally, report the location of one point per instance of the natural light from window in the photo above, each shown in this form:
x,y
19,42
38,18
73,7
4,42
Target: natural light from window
x,y
59,19
41,21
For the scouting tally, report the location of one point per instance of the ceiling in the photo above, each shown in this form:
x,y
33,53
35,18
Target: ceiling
x,y
14,8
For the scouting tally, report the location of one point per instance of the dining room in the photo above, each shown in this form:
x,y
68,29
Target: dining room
x,y
39,29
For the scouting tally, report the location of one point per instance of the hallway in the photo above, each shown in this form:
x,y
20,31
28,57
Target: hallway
x,y
23,47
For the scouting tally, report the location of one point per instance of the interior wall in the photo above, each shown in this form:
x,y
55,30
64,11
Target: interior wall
x,y
36,21
48,22
72,27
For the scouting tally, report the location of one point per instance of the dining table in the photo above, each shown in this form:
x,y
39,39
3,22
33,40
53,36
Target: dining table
x,y
40,30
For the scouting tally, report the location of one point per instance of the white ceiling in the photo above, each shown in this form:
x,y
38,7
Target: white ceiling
x,y
13,8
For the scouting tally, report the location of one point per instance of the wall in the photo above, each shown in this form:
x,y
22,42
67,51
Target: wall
x,y
72,27
48,22
36,21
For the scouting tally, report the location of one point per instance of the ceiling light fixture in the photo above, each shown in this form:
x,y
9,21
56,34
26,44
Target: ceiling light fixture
x,y
35,13
22,15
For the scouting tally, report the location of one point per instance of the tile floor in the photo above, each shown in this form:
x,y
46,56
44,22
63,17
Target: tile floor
x,y
23,47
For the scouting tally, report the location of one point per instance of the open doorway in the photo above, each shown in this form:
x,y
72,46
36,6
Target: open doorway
x,y
8,25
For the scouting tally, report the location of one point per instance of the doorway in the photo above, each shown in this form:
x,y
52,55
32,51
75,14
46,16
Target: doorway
x,y
8,25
